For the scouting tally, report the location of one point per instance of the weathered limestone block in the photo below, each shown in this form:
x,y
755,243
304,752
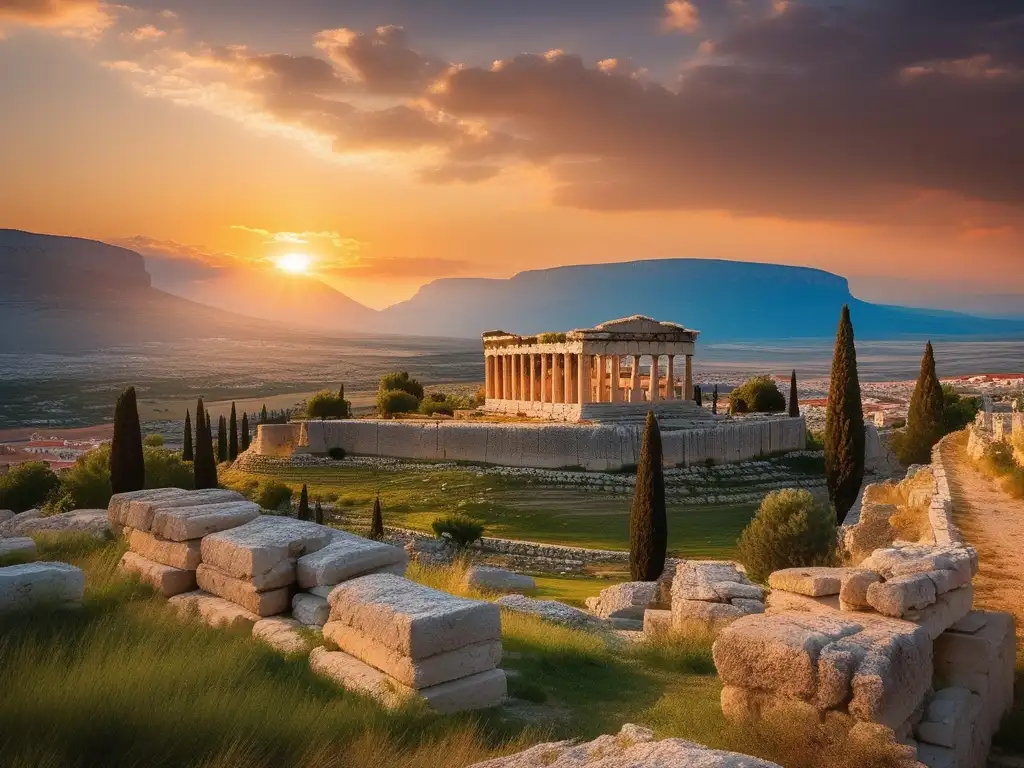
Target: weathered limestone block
x,y
490,579
212,610
21,546
355,675
117,507
746,705
5,515
282,635
633,747
140,512
31,584
549,610
166,580
949,718
413,619
176,554
310,609
185,523
657,622
901,595
779,601
624,601
812,582
480,691
417,674
91,521
263,545
853,592
705,580
873,529
947,610
696,617
242,593
346,556
910,559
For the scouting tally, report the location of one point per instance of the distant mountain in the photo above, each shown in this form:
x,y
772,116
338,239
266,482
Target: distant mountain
x,y
65,295
726,300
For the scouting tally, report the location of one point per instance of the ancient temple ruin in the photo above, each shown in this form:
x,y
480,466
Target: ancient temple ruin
x,y
617,370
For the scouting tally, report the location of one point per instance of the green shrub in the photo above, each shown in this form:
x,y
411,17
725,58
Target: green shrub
x,y
760,394
401,380
1014,483
87,481
998,459
815,440
459,529
57,502
153,441
392,401
27,486
440,402
166,469
738,405
273,495
337,453
790,530
328,405
957,411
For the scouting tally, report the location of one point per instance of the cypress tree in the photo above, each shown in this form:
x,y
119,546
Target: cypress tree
x,y
205,467
698,396
648,526
844,424
304,504
222,440
924,417
245,431
233,435
376,521
714,401
263,414
127,467
187,453
794,400
318,513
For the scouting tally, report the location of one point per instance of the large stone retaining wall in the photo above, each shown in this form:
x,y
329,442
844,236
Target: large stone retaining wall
x,y
593,447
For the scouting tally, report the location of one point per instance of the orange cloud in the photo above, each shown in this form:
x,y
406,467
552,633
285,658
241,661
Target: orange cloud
x,y
681,15
85,19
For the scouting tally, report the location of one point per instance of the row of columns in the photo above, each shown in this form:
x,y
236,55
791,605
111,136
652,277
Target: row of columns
x,y
569,377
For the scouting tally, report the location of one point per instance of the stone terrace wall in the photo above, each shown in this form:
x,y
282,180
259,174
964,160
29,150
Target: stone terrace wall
x,y
593,447
940,511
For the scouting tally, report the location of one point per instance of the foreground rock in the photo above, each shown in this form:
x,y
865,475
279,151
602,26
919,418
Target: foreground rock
x,y
633,747
488,579
264,546
166,580
708,595
32,585
549,610
624,601
23,547
10,526
90,521
284,635
345,557
210,609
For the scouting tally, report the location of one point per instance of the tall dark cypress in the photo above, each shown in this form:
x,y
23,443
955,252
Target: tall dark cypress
x,y
377,521
127,467
245,431
233,435
205,467
844,423
698,395
187,452
304,504
648,524
222,440
714,401
318,513
924,416
263,415
794,400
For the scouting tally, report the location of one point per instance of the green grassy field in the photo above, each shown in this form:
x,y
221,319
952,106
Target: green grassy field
x,y
509,507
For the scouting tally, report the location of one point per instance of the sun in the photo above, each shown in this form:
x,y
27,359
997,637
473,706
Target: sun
x,y
293,263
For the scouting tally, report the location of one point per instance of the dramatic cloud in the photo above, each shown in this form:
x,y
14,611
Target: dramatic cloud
x,y
86,19
335,239
145,34
681,15
172,250
382,62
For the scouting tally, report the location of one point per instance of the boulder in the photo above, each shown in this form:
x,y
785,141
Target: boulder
x,y
706,580
414,620
697,617
912,559
9,527
488,579
310,610
166,580
242,593
633,747
177,554
549,610
346,556
812,582
212,610
91,521
5,515
416,674
33,584
195,522
262,545
624,601
901,594
140,513
853,593
23,547
282,635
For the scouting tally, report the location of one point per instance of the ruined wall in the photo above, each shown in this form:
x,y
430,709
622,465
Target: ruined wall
x,y
546,446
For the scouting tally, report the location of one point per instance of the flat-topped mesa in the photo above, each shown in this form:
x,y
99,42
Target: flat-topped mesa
x,y
579,374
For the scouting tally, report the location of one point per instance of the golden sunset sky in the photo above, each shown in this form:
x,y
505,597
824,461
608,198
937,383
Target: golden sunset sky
x,y
398,141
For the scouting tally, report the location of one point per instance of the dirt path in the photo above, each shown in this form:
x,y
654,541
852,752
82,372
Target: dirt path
x,y
993,522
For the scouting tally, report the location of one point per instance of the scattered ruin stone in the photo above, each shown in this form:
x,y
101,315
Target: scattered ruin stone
x,y
243,593
210,609
853,594
624,601
119,504
37,584
900,595
282,634
21,546
263,545
184,523
310,609
657,622
11,526
345,557
549,610
812,582
177,554
90,521
490,579
708,595
140,513
166,580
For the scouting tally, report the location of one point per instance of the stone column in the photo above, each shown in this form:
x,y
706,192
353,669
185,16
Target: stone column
x,y
567,388
556,378
636,394
544,396
688,380
655,379
508,375
582,379
489,377
531,379
615,363
524,386
599,379
670,385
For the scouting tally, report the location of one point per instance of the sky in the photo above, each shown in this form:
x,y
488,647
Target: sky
x,y
382,144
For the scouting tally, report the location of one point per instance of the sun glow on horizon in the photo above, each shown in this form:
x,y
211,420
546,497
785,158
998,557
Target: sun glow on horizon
x,y
294,263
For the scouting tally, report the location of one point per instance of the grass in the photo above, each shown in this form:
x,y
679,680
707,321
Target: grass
x,y
508,507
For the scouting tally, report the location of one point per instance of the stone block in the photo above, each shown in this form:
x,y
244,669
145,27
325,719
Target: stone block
x,y
910,559
624,601
696,617
185,523
117,507
359,677
177,554
242,593
166,580
415,673
657,623
779,601
21,546
946,611
346,556
140,512
901,595
853,592
94,522
489,579
310,609
812,582
949,718
412,619
262,545
704,579
282,635
480,691
210,609
29,585
932,756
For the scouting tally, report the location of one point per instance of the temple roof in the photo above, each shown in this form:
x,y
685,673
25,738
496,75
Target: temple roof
x,y
637,324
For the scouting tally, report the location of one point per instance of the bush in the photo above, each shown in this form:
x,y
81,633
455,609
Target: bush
x,y
440,402
336,453
459,529
790,530
1014,483
166,469
760,394
401,380
815,441
87,482
957,411
392,401
153,441
328,405
273,495
738,405
27,486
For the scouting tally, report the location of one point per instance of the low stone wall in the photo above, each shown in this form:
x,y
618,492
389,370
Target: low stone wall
x,y
940,511
551,446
